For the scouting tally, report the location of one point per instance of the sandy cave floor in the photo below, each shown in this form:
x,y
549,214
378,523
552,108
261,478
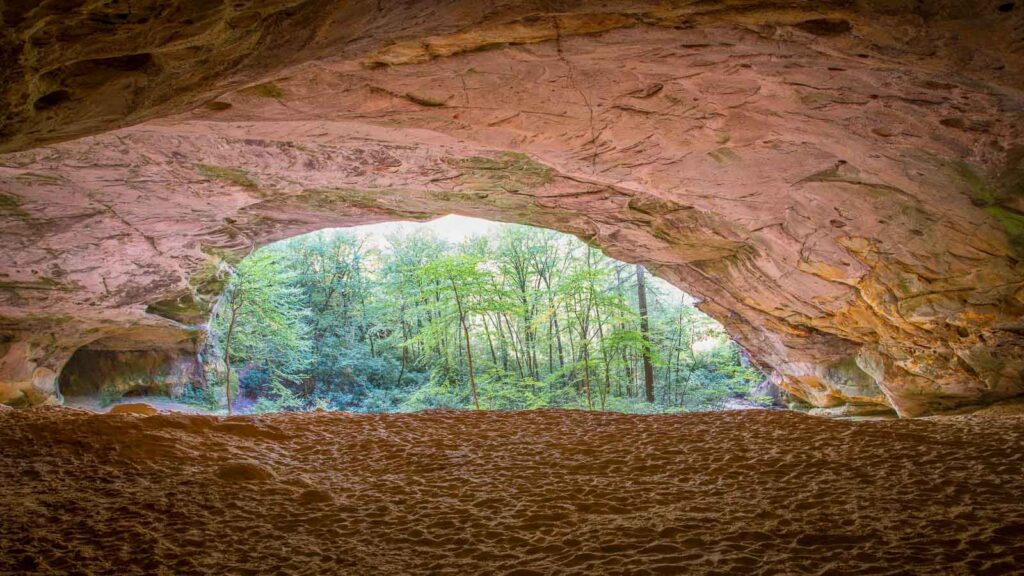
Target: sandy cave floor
x,y
161,403
545,492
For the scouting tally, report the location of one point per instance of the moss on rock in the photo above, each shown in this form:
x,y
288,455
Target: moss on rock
x,y
424,100
192,305
235,176
265,90
510,171
10,205
40,179
995,196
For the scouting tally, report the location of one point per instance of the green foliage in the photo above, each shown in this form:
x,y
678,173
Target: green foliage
x,y
330,321
424,100
273,331
10,205
235,176
279,399
502,390
435,396
109,396
511,170
265,90
203,397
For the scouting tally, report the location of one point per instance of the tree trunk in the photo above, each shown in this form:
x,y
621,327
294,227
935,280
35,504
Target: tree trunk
x,y
517,345
645,333
586,376
502,343
604,357
554,319
551,345
227,356
405,359
490,343
469,349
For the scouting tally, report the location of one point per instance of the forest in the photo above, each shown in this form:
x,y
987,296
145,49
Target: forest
x,y
518,318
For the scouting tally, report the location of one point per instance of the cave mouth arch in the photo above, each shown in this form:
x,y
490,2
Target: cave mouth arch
x,y
336,342
847,206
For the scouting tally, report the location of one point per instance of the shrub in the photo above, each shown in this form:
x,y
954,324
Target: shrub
x,y
203,396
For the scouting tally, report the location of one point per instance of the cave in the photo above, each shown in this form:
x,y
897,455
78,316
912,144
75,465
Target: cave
x,y
856,226
840,183
99,375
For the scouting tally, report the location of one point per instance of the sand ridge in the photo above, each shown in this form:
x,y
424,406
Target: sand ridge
x,y
528,493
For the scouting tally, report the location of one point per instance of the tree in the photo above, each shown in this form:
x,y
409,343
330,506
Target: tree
x,y
645,333
259,319
525,318
467,281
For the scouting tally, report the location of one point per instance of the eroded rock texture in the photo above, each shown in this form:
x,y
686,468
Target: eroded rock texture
x,y
842,183
751,492
160,372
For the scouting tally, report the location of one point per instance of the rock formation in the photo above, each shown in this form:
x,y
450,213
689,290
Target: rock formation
x,y
841,183
748,492
158,372
139,408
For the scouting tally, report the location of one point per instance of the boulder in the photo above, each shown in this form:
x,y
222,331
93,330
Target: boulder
x,y
139,408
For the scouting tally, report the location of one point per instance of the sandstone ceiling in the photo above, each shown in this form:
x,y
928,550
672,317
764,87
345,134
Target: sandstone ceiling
x,y
842,183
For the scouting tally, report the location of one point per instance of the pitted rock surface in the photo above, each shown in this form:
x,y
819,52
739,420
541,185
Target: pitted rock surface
x,y
521,493
841,184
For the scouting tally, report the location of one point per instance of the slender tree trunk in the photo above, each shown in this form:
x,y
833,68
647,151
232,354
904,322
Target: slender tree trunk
x,y
516,346
554,320
673,357
227,355
627,365
405,347
618,386
572,343
645,333
458,340
469,349
444,333
604,357
490,343
586,377
502,343
401,373
637,385
551,345
607,390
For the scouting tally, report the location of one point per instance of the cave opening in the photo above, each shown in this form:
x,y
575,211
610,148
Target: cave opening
x,y
95,378
820,245
839,184
453,313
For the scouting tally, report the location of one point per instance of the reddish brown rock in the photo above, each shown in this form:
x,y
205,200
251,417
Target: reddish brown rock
x,y
244,471
842,184
159,372
747,492
140,408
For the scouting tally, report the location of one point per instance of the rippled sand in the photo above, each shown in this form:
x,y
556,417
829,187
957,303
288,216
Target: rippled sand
x,y
548,492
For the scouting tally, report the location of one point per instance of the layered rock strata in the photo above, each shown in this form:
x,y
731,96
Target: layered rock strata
x,y
842,184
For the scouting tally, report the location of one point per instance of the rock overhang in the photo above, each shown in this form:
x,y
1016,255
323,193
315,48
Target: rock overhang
x,y
845,200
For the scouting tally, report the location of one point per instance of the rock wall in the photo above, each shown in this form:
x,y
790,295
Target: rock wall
x,y
841,183
28,373
160,372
